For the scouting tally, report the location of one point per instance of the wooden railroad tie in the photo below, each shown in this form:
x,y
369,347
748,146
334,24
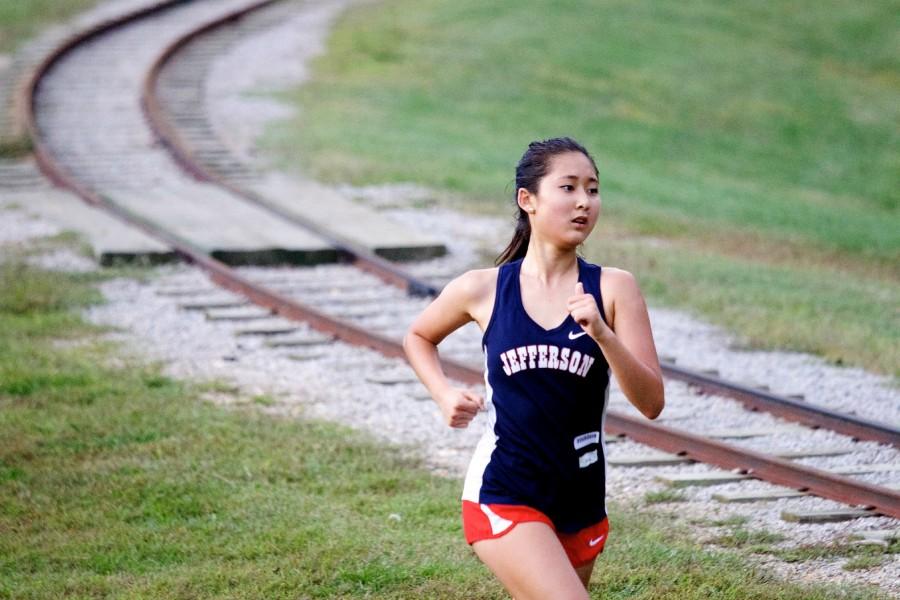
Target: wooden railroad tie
x,y
769,495
718,477
211,303
826,516
243,313
298,340
272,329
654,459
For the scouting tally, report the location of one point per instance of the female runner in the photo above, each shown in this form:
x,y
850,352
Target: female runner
x,y
534,496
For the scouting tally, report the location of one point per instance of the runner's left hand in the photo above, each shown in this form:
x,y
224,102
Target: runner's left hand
x,y
583,308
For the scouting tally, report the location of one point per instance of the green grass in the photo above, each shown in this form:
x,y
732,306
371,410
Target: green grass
x,y
853,551
31,292
741,538
118,482
16,147
859,556
263,400
659,496
732,521
860,563
759,137
21,19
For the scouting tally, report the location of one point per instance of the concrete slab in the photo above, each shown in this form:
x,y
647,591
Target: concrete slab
x,y
185,291
749,432
888,535
769,495
717,477
298,340
813,452
267,329
224,226
214,302
649,459
243,313
307,354
351,220
758,496
826,516
714,478
110,240
871,542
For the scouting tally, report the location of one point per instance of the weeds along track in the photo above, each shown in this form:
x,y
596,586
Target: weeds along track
x,y
100,103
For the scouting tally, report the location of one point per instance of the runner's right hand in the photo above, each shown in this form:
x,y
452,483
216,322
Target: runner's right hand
x,y
459,406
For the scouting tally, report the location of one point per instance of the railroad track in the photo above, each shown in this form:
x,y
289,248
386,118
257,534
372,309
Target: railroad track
x,y
84,79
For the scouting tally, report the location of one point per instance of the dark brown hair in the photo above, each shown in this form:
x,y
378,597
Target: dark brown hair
x,y
532,167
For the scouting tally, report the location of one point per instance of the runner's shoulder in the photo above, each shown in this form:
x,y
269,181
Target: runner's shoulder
x,y
619,285
473,285
618,277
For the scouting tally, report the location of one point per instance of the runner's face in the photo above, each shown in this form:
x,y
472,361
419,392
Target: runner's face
x,y
567,204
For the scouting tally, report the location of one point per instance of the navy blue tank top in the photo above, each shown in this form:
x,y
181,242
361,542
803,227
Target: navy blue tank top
x,y
546,399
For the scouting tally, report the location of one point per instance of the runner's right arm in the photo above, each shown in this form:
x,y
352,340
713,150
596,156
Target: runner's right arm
x,y
459,303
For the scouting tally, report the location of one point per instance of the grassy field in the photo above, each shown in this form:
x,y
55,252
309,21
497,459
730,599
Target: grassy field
x,y
21,19
760,143
118,482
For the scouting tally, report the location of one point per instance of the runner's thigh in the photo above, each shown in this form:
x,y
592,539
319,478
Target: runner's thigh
x,y
531,563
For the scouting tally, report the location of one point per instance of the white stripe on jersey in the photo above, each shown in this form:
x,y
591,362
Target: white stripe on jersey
x,y
482,455
603,431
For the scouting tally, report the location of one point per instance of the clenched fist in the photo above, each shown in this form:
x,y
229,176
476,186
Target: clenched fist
x,y
583,308
459,407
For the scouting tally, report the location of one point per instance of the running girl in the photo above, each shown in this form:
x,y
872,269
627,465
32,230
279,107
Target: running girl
x,y
534,497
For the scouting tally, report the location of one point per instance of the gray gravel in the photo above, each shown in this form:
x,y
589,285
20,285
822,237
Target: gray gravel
x,y
18,226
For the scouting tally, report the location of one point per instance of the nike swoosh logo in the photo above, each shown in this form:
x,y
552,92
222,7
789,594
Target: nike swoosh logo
x,y
595,541
575,336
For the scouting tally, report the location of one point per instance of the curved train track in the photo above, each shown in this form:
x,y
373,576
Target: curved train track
x,y
122,161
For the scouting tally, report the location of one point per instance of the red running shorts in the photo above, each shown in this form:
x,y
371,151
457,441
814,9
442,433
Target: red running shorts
x,y
491,521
